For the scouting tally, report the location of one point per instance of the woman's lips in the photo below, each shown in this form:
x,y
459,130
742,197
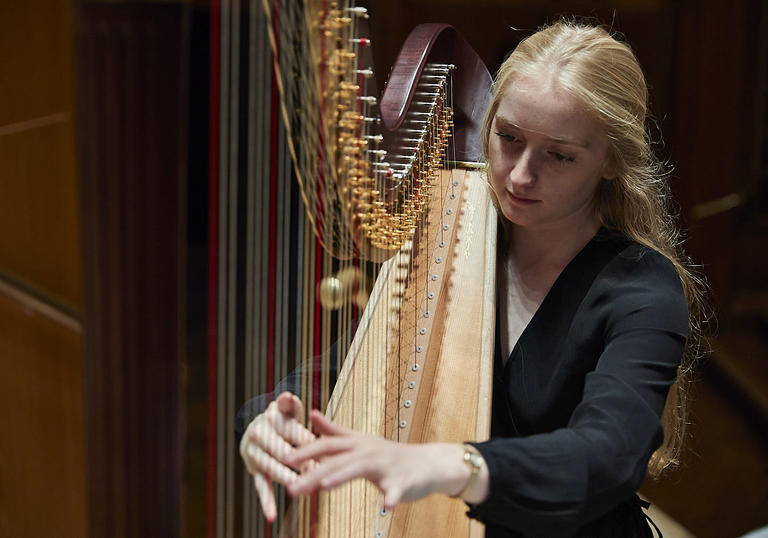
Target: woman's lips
x,y
521,200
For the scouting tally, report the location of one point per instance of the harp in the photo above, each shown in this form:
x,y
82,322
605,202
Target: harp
x,y
354,235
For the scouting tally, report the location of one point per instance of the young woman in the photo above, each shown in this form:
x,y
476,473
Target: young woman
x,y
598,317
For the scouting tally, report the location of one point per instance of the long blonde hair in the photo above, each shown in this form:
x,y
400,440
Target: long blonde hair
x,y
605,74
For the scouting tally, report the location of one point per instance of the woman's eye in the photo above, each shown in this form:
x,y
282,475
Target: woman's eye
x,y
505,136
561,157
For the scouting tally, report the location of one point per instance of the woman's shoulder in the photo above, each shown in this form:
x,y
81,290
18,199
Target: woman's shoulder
x,y
633,260
637,278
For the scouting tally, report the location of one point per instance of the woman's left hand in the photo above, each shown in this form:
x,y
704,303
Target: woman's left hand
x,y
403,472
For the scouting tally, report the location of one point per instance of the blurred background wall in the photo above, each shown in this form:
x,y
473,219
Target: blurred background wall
x,y
98,134
42,448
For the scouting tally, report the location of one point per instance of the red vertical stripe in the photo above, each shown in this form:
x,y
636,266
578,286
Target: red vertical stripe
x,y
213,246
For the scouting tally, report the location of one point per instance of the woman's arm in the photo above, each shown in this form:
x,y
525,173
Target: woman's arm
x,y
403,472
560,480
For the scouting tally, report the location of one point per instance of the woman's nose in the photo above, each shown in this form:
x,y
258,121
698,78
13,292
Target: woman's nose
x,y
523,173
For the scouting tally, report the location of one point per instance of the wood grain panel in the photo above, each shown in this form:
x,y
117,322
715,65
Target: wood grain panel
x,y
39,223
36,58
42,467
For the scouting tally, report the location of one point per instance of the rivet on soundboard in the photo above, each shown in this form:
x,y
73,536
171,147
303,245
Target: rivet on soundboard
x,y
419,349
450,211
445,226
453,196
431,295
438,260
411,384
442,244
407,403
403,424
455,183
379,534
415,367
434,277
423,329
426,314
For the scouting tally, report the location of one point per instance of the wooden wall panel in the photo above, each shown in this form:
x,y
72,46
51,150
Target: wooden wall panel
x,y
39,243
42,479
42,447
36,58
39,233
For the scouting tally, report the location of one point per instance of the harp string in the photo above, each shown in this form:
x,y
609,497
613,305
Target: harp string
x,y
284,298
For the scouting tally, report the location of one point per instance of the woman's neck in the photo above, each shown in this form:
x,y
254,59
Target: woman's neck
x,y
547,249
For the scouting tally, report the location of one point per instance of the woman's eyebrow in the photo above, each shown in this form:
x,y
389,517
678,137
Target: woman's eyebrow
x,y
506,122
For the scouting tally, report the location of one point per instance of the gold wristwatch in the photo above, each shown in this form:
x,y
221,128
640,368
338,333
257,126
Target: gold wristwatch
x,y
474,461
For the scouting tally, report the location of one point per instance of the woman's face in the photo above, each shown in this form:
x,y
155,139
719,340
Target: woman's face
x,y
546,156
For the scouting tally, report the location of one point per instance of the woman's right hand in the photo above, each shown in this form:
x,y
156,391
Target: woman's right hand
x,y
270,437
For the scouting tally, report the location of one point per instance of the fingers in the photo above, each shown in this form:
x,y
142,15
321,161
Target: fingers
x,y
262,434
335,472
259,461
330,473
325,426
392,496
266,496
322,448
289,404
285,414
290,429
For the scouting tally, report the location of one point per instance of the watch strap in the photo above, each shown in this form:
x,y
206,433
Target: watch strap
x,y
474,461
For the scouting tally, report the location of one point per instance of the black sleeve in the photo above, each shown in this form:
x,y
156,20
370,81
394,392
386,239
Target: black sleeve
x,y
556,482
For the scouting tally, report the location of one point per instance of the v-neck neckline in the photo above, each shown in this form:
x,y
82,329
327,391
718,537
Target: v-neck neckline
x,y
552,292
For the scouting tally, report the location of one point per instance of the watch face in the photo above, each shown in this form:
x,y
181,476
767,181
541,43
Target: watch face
x,y
475,459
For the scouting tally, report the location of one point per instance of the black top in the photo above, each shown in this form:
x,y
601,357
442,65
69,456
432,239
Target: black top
x,y
576,407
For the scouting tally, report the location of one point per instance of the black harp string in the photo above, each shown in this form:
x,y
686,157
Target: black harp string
x,y
224,488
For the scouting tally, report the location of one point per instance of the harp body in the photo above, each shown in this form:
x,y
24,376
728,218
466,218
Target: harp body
x,y
431,372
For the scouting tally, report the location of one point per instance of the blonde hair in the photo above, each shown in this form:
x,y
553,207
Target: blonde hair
x,y
605,74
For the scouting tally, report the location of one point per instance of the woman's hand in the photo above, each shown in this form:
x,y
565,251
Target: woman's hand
x,y
267,444
403,472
